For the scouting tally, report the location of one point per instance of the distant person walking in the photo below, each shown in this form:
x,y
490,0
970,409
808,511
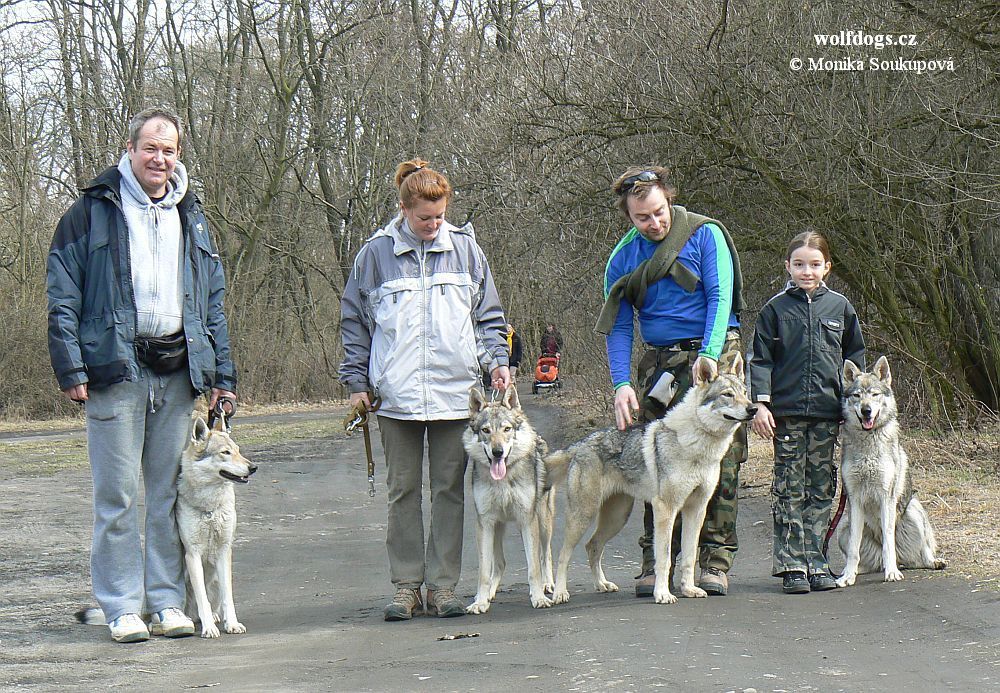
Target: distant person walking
x,y
420,319
516,348
552,341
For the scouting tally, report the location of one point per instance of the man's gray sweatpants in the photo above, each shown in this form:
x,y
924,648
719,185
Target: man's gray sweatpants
x,y
131,425
410,565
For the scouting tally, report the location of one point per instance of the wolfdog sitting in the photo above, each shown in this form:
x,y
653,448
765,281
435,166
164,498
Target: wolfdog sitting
x,y
886,526
206,521
674,464
508,485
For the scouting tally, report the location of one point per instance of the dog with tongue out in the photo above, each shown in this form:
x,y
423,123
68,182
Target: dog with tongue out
x,y
500,439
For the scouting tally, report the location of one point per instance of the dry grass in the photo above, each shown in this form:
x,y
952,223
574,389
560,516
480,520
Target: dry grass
x,y
245,410
956,478
50,456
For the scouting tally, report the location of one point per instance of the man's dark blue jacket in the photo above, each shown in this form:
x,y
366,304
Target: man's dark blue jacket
x,y
92,313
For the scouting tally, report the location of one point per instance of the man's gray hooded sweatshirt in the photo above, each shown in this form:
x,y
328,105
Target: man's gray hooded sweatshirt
x,y
155,247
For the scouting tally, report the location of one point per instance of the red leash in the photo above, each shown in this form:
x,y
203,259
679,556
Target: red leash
x,y
836,519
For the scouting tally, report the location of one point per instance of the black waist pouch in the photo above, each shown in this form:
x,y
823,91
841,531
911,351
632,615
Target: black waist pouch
x,y
163,354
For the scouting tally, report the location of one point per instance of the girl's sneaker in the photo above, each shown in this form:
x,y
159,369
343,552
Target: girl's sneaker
x,y
821,582
795,582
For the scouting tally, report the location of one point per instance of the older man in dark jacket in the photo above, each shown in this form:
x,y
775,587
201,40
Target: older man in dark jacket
x,y
136,331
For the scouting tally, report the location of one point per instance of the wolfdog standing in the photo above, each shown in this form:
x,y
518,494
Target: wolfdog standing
x,y
508,485
886,526
674,464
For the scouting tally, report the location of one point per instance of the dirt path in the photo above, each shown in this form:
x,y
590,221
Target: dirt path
x,y
311,579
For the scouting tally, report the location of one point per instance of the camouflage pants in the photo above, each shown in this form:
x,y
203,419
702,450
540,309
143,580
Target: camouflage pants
x,y
718,542
805,481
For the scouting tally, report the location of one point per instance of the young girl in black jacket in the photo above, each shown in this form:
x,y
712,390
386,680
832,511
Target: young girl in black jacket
x,y
801,340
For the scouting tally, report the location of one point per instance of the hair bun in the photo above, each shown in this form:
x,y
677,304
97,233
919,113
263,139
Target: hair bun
x,y
407,168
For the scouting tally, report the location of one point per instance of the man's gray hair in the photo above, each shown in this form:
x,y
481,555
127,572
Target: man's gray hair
x,y
147,114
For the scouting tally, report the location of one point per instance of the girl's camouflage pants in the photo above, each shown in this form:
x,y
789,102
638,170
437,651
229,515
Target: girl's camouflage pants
x,y
805,481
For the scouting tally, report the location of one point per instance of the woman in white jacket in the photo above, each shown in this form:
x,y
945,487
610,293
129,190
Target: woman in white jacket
x,y
421,319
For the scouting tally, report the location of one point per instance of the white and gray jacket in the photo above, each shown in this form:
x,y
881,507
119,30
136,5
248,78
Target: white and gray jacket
x,y
420,321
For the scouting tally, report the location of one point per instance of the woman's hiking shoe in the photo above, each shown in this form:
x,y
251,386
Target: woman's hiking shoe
x,y
795,583
403,604
444,603
644,585
821,582
714,581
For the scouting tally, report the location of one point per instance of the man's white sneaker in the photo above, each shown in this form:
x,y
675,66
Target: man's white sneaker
x,y
172,623
128,628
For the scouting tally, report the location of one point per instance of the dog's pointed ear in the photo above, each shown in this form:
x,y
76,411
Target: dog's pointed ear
x,y
732,363
199,430
704,370
477,402
851,372
510,399
881,370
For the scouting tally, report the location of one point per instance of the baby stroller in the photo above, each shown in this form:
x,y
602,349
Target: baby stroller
x,y
546,374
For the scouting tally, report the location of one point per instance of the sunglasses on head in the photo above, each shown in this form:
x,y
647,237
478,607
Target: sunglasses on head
x,y
643,177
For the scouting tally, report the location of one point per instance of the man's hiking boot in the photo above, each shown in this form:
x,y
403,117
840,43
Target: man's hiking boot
x,y
794,582
821,582
403,604
444,603
714,581
644,584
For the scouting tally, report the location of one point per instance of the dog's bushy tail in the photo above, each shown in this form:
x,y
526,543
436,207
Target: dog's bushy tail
x,y
556,468
91,617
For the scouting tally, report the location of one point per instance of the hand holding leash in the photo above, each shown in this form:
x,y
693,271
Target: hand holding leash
x,y
224,410
357,417
501,378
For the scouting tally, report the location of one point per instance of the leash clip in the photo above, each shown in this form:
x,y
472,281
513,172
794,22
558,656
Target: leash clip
x,y
360,419
220,412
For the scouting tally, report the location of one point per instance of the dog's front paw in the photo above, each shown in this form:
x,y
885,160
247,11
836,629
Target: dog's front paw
x,y
234,628
560,596
606,586
209,630
846,580
480,606
693,591
664,597
541,602
893,575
